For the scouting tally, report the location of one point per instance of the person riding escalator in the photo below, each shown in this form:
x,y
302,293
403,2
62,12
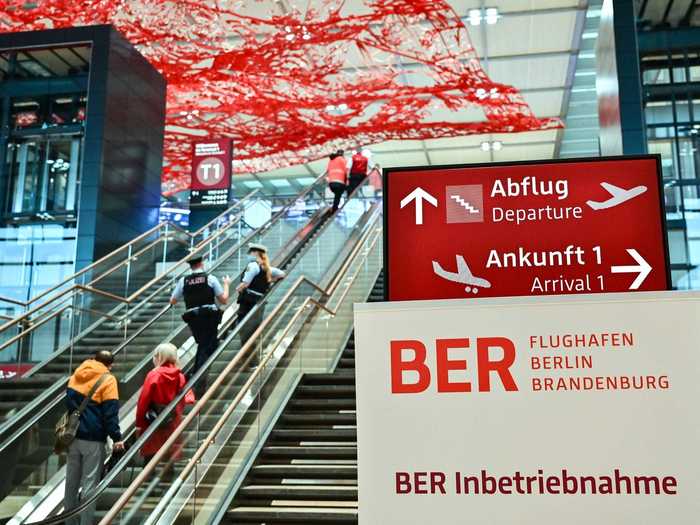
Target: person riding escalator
x,y
259,275
202,294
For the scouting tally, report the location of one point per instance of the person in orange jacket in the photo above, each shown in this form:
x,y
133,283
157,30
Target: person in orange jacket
x,y
99,420
337,176
161,386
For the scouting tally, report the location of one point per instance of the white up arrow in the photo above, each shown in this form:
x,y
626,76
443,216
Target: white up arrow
x,y
419,195
642,268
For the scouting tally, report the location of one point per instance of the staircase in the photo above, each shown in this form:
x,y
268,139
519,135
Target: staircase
x,y
307,469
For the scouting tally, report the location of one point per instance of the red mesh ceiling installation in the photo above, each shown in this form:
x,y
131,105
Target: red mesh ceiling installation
x,y
291,82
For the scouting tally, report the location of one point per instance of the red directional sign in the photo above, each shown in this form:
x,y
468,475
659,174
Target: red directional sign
x,y
532,228
211,172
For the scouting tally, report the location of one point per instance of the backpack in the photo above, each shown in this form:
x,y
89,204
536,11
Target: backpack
x,y
67,426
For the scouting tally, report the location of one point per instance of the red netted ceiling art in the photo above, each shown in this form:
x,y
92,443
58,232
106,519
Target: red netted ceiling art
x,y
289,80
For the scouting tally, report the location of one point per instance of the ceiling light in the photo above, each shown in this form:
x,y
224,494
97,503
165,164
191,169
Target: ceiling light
x,y
475,17
494,145
491,15
290,37
590,35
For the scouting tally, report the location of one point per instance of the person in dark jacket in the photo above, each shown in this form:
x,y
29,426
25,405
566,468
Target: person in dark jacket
x,y
256,281
202,294
163,384
99,420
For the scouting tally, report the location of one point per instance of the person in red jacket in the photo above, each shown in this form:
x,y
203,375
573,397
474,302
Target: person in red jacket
x,y
161,386
337,176
359,167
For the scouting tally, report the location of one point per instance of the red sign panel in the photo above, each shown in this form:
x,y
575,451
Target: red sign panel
x,y
535,228
211,172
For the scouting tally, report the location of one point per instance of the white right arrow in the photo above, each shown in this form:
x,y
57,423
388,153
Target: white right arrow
x,y
642,268
419,195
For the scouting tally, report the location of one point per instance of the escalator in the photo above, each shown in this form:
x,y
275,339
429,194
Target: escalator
x,y
26,446
307,470
221,435
313,249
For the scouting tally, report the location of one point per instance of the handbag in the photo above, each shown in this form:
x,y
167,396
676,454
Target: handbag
x,y
67,426
154,411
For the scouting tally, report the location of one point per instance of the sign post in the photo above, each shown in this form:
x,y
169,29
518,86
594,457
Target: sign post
x,y
211,173
529,410
530,228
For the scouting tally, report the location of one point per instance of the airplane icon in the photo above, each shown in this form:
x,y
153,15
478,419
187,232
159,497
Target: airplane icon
x,y
619,195
463,275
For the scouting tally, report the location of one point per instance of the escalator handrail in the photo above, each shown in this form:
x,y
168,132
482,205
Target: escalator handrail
x,y
61,296
153,426
245,349
161,225
206,243
39,406
67,294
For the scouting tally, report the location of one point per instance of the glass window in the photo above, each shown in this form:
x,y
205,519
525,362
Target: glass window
x,y
668,159
694,73
679,75
656,76
44,173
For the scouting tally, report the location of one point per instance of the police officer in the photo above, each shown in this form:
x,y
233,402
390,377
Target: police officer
x,y
201,293
256,281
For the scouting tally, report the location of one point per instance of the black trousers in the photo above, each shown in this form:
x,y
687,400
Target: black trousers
x,y
246,303
338,188
204,329
355,181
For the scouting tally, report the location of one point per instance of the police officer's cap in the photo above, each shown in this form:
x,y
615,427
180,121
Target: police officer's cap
x,y
195,259
257,248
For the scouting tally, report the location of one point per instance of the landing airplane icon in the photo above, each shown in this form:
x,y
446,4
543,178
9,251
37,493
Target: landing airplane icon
x,y
619,195
463,275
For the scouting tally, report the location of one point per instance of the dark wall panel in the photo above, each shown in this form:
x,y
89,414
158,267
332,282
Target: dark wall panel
x,y
134,117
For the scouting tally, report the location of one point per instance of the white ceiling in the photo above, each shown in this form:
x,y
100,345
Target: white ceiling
x,y
534,46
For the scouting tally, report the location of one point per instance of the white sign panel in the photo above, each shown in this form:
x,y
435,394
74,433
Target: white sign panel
x,y
571,410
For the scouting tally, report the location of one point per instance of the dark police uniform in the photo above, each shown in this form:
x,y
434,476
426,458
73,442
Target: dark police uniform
x,y
258,286
199,290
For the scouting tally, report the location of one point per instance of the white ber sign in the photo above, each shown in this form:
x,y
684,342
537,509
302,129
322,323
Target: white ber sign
x,y
542,410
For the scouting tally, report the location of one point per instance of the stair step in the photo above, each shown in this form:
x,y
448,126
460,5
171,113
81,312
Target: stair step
x,y
299,491
309,514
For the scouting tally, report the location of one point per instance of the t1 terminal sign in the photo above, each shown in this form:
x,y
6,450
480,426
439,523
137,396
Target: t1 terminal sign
x,y
211,172
532,228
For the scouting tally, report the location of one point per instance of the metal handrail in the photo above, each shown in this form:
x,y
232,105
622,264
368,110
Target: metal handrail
x,y
4,299
126,300
125,247
165,310
133,450
159,315
250,343
206,242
